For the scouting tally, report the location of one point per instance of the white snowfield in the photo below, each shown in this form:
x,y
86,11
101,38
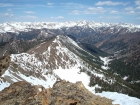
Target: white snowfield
x,y
48,82
106,61
3,84
121,99
27,26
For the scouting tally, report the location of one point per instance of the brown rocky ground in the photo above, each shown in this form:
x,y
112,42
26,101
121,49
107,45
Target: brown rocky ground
x,y
62,93
4,63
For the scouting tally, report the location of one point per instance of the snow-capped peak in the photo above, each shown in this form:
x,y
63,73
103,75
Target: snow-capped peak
x,y
26,26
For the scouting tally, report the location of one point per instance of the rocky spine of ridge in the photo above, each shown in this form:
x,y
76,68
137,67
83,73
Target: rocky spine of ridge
x,y
62,93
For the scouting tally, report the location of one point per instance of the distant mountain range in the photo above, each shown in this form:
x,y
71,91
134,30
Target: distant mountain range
x,y
103,35
96,26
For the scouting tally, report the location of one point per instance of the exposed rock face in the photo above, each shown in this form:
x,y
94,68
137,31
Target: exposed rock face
x,y
19,93
4,63
62,93
76,94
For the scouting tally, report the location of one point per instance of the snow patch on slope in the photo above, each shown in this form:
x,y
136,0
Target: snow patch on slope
x,y
119,98
3,84
47,82
73,75
106,61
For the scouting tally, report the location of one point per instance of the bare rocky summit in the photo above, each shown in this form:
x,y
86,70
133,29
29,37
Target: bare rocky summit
x,y
62,93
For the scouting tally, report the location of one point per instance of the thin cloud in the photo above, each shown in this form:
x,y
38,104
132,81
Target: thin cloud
x,y
58,17
111,17
138,18
73,5
114,12
89,10
6,5
9,10
29,12
35,5
95,10
75,12
7,14
129,8
131,12
138,7
29,16
50,3
137,2
110,3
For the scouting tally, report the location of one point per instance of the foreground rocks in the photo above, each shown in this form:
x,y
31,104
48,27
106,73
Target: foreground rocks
x,y
62,93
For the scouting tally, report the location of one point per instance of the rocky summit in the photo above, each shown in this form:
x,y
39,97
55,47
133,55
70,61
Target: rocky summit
x,y
62,93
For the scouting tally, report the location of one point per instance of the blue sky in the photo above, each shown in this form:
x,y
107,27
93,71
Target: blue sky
x,y
112,11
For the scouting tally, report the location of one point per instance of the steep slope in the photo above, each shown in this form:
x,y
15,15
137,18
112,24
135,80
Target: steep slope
x,y
41,60
127,42
126,57
62,58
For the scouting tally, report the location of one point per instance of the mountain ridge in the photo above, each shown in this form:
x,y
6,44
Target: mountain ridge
x,y
28,26
57,58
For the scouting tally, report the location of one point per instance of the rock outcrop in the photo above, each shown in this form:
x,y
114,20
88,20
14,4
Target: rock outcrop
x,y
62,93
